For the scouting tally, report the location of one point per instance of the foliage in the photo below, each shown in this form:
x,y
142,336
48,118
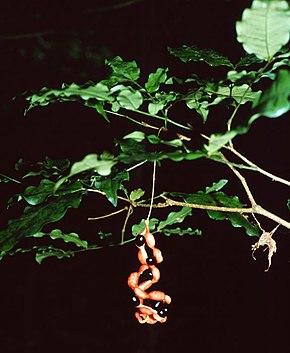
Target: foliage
x,y
56,186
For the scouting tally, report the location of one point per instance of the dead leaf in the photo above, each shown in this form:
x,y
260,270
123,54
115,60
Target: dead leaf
x,y
266,239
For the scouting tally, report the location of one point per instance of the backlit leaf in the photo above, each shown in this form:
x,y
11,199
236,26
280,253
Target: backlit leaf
x,y
138,228
264,28
130,100
216,186
136,194
155,79
90,161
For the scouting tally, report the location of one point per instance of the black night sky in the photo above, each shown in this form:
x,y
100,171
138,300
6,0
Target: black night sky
x,y
222,300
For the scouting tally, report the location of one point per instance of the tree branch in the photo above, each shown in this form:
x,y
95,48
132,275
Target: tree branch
x,y
257,168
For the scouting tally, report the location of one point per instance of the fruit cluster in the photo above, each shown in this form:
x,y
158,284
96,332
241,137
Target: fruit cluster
x,y
151,306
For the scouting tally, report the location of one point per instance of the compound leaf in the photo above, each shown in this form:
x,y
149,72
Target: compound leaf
x,y
67,238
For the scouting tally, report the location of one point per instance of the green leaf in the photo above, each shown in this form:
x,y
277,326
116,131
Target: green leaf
x,y
193,53
130,100
35,195
241,94
175,217
264,28
248,60
138,228
110,186
136,194
154,108
91,161
216,186
155,140
237,220
274,102
100,109
217,141
123,70
181,232
72,92
50,251
219,198
137,136
35,217
155,79
67,238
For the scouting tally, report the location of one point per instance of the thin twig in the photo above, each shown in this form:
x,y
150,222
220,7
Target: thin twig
x,y
130,211
107,215
142,123
171,202
257,168
243,181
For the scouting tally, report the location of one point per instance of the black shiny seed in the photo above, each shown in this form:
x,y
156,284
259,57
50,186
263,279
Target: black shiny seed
x,y
150,261
161,309
145,276
162,313
140,240
135,301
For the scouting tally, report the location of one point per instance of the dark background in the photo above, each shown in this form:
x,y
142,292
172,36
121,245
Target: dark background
x,y
222,299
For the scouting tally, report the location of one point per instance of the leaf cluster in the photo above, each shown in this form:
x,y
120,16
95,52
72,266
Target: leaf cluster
x,y
151,103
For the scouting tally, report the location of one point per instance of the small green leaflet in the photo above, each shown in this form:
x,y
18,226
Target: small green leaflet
x,y
138,228
72,92
129,99
212,58
216,186
154,108
264,28
181,232
137,136
91,161
122,70
155,79
175,217
241,94
45,253
111,185
217,141
67,238
136,194
237,220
